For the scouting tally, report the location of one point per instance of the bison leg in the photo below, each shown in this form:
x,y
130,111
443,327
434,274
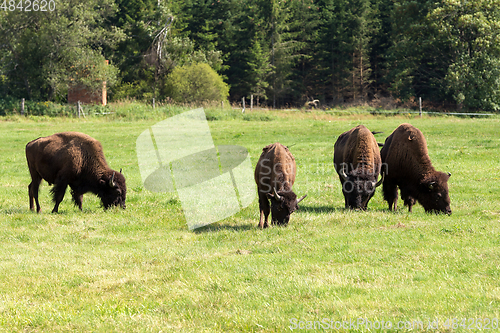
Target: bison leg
x,y
265,209
33,193
77,198
390,190
58,192
409,202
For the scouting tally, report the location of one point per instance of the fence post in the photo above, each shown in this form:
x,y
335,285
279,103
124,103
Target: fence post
x,y
420,106
243,99
153,103
22,106
78,107
251,102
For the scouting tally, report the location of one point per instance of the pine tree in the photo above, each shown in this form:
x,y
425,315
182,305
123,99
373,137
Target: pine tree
x,y
259,70
303,30
363,29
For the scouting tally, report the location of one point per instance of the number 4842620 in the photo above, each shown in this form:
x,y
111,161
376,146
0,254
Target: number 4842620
x,y
28,5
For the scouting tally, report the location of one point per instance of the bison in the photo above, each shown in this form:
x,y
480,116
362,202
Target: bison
x,y
275,175
408,166
357,161
77,160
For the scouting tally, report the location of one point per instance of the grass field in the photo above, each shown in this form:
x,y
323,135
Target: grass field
x,y
142,270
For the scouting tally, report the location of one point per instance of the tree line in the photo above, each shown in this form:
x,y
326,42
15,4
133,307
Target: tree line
x,y
284,52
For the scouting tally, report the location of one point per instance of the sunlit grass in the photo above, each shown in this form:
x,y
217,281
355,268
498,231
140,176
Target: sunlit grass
x,y
141,270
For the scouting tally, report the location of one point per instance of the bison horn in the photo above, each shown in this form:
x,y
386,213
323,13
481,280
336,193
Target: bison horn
x,y
343,175
449,174
303,197
112,180
121,170
276,195
380,181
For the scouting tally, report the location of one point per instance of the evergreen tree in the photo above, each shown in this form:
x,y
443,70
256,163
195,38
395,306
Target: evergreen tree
x,y
259,71
282,49
364,27
335,49
303,30
380,44
419,56
141,20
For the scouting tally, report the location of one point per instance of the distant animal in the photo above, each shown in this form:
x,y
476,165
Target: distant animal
x,y
275,174
312,104
76,160
407,165
357,161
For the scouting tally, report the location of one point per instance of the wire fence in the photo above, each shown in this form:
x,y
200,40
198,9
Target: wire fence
x,y
470,114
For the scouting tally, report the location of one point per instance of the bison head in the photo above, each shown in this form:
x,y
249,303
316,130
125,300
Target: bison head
x,y
434,193
283,204
113,190
358,187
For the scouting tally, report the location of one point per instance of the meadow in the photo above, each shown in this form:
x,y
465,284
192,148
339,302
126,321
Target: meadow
x,y
142,270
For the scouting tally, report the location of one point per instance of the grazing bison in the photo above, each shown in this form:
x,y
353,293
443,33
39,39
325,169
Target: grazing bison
x,y
357,161
275,175
409,167
77,160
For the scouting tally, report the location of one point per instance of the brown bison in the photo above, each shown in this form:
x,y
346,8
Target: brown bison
x,y
356,159
408,166
77,160
275,175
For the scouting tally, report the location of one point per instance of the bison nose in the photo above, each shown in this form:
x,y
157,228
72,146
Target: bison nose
x,y
448,210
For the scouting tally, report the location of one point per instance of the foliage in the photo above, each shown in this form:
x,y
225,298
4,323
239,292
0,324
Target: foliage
x,y
282,52
10,106
140,20
448,51
418,57
44,52
196,83
472,30
260,68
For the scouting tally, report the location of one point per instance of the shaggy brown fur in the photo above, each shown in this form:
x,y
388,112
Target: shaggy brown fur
x,y
356,152
275,175
77,160
408,166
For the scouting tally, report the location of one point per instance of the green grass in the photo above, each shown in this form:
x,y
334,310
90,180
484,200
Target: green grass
x,y
141,270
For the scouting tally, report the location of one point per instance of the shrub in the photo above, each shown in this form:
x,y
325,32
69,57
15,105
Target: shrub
x,y
10,106
196,83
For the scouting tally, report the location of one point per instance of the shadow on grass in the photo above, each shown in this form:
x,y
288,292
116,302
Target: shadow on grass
x,y
14,210
319,209
330,209
220,227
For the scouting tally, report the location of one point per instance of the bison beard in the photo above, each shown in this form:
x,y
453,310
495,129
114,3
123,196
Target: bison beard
x,y
408,166
76,160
